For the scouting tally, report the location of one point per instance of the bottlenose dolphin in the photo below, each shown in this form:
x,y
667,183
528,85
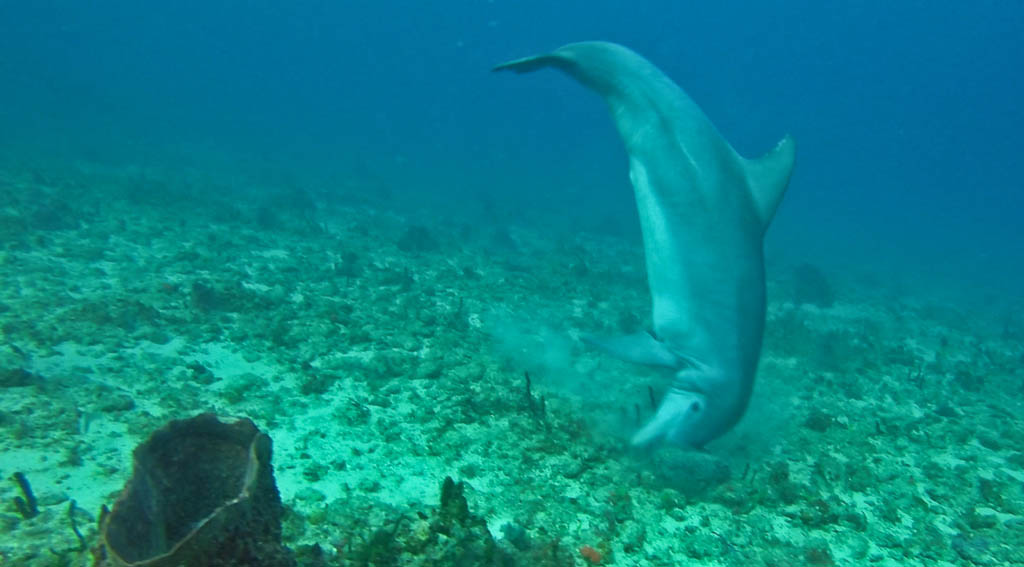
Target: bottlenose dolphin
x,y
703,211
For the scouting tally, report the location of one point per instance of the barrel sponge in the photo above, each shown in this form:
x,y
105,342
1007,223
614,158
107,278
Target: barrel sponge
x,y
202,493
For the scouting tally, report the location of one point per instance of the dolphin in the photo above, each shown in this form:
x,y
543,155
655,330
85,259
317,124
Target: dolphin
x,y
704,210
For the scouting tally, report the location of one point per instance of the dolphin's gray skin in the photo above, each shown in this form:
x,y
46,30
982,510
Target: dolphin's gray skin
x,y
703,211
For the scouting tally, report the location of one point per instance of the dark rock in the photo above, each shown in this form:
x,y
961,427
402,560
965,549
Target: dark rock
x,y
516,535
350,266
117,402
17,377
818,514
973,549
205,298
810,286
201,374
946,411
501,241
13,371
819,554
819,421
55,215
312,556
417,239
316,384
969,380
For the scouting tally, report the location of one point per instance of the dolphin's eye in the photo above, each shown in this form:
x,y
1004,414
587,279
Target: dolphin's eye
x,y
695,407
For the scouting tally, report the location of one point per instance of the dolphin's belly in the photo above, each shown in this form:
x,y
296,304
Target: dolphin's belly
x,y
708,299
704,261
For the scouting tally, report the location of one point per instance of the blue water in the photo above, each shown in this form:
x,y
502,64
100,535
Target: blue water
x,y
907,114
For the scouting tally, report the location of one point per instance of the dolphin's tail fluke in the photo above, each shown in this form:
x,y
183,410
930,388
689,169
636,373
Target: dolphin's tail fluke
x,y
530,64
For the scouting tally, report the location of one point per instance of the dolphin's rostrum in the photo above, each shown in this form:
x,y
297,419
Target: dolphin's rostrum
x,y
703,211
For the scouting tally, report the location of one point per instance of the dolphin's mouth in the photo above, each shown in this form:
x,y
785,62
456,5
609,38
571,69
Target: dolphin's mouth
x,y
675,421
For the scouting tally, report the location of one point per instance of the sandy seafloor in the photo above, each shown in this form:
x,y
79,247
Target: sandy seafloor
x,y
383,351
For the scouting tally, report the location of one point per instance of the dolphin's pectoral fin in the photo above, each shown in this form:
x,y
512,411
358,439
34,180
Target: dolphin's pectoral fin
x,y
641,348
769,176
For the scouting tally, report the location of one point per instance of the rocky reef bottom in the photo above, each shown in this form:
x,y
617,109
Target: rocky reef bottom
x,y
430,403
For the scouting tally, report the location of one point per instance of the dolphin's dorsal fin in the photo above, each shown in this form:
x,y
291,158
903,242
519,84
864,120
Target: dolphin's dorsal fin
x,y
769,176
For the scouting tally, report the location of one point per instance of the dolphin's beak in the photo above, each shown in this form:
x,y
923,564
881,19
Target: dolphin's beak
x,y
672,421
